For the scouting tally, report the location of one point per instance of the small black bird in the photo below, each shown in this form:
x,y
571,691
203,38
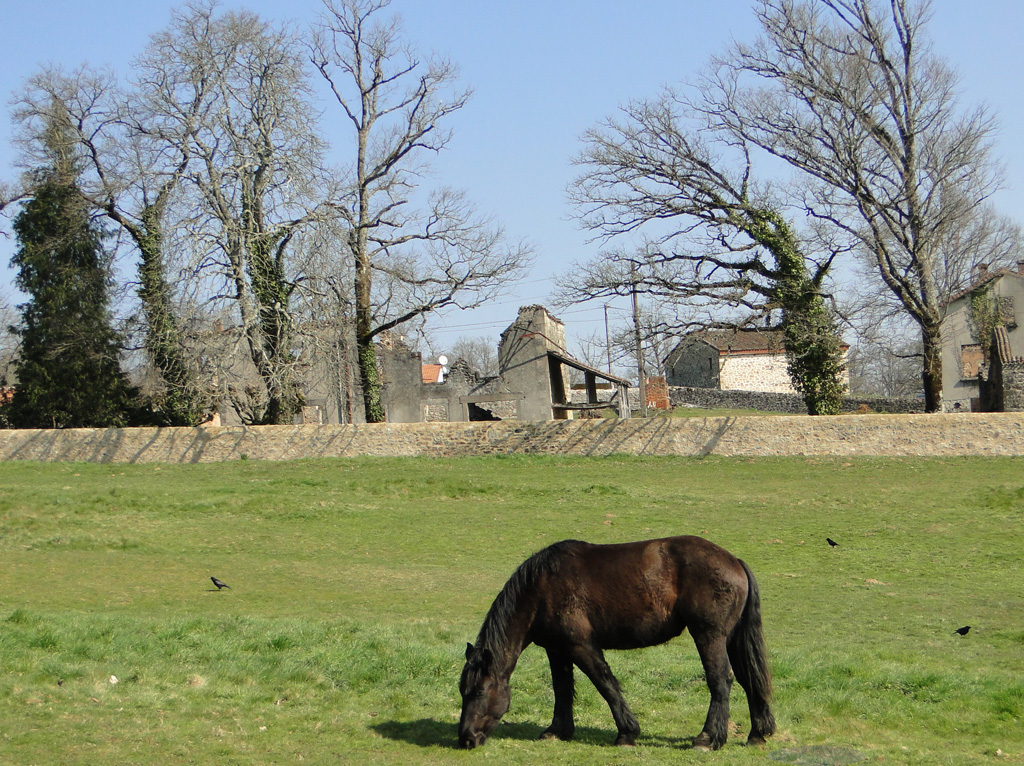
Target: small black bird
x,y
220,583
963,631
831,542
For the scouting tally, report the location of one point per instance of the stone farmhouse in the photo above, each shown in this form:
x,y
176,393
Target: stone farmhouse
x,y
732,360
982,344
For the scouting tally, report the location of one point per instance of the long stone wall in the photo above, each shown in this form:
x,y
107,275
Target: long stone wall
x,y
712,398
948,434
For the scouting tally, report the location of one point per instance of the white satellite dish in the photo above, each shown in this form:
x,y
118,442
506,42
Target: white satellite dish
x,y
442,360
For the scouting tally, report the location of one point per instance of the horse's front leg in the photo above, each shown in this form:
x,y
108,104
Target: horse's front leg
x,y
591,661
562,725
718,673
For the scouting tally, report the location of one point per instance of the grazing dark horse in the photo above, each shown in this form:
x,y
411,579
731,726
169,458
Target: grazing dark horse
x,y
576,599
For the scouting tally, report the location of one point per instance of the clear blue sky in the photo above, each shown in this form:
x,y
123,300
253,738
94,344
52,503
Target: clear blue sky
x,y
542,71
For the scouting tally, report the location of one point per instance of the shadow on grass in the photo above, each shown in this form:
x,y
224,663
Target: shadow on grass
x,y
427,732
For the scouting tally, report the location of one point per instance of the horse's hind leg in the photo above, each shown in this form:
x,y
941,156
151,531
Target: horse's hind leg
x,y
562,726
762,722
590,660
718,673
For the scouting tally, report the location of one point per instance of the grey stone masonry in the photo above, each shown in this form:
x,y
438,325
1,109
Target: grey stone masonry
x,y
712,398
842,435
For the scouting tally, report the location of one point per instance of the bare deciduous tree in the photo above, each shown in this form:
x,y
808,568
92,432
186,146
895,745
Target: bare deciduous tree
x,y
885,357
412,252
255,165
849,94
480,353
324,313
715,239
8,339
9,195
886,366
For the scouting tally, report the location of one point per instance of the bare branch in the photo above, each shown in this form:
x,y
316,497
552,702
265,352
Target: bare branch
x,y
407,260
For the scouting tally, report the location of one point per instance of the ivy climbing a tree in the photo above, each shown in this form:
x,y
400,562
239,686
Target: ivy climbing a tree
x,y
814,353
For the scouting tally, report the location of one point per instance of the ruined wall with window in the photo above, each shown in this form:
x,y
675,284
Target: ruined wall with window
x,y
972,318
408,399
1001,378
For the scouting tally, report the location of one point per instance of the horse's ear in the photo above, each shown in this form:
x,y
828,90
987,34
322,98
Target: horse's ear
x,y
486,657
469,649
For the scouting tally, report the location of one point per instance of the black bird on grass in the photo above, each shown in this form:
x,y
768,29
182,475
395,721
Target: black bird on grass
x,y
220,583
963,631
831,542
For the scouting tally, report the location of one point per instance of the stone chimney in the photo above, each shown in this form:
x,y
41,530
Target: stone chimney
x,y
539,323
524,364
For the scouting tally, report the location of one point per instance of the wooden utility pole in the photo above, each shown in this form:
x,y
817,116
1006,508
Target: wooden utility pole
x,y
641,372
607,339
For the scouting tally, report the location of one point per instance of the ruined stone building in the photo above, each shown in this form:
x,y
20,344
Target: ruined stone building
x,y
982,344
532,381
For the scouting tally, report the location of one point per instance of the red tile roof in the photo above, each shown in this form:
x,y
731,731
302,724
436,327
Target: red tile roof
x,y
745,341
980,279
739,341
432,373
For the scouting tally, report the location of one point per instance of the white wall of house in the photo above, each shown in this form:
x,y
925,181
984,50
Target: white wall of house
x,y
754,372
959,381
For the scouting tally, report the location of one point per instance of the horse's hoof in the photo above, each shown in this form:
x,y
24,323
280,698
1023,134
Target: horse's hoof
x,y
704,744
622,741
755,741
554,736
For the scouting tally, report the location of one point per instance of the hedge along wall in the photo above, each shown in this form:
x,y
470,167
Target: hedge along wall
x,y
846,435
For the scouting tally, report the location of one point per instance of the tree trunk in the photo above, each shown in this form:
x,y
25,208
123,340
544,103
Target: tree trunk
x,y
272,353
366,353
814,352
183,403
369,377
931,373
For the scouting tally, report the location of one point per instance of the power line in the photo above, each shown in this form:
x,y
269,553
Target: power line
x,y
476,326
594,311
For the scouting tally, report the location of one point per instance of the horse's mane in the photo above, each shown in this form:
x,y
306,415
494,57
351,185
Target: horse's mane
x,y
522,583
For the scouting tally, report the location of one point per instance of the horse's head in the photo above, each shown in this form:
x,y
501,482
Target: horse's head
x,y
485,698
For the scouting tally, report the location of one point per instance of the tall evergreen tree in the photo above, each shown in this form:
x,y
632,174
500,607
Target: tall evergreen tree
x,y
68,371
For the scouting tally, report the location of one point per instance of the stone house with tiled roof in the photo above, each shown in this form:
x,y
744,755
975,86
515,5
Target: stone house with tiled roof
x,y
732,360
992,301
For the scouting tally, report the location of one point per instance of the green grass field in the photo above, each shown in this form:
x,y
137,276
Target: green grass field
x,y
355,585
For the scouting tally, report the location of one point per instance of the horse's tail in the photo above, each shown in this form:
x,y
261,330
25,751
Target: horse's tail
x,y
749,657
